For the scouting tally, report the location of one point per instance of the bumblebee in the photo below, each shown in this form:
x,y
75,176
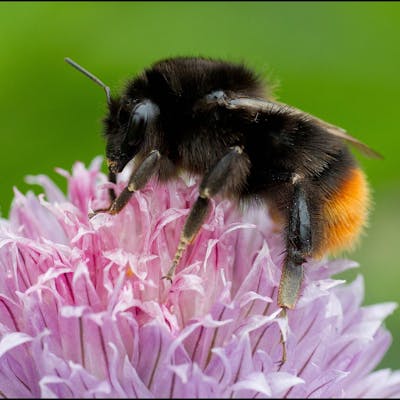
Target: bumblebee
x,y
217,120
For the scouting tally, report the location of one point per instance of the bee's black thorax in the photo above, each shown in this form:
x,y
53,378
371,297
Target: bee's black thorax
x,y
193,139
180,82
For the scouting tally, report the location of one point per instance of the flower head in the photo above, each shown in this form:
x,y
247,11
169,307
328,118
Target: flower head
x,y
84,311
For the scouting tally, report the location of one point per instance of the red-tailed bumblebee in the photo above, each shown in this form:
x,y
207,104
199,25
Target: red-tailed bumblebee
x,y
213,118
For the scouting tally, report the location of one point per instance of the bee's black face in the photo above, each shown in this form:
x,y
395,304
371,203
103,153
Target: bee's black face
x,y
122,134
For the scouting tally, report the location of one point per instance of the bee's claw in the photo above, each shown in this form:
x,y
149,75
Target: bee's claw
x,y
168,277
109,210
171,272
280,363
283,342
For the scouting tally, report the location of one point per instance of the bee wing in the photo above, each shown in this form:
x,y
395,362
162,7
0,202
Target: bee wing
x,y
274,106
341,133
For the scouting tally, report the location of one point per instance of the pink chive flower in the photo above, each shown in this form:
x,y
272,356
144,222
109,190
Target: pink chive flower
x,y
84,311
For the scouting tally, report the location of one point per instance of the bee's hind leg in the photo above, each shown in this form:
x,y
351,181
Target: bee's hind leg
x,y
298,247
228,174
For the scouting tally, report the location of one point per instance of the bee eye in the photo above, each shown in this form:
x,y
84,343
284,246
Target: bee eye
x,y
142,114
123,117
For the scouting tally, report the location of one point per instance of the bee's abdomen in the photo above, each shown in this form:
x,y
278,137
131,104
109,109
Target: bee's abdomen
x,y
344,214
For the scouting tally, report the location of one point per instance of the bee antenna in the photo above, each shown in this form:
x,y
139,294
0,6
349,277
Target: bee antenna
x,y
91,76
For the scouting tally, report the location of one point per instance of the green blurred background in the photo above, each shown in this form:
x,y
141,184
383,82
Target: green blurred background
x,y
339,61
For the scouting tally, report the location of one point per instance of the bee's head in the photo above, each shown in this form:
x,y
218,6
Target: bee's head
x,y
125,128
125,123
116,134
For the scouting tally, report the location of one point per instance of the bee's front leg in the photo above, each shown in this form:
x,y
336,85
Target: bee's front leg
x,y
139,178
112,178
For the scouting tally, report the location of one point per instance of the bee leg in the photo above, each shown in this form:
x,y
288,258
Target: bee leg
x,y
234,163
112,178
298,245
197,215
140,176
